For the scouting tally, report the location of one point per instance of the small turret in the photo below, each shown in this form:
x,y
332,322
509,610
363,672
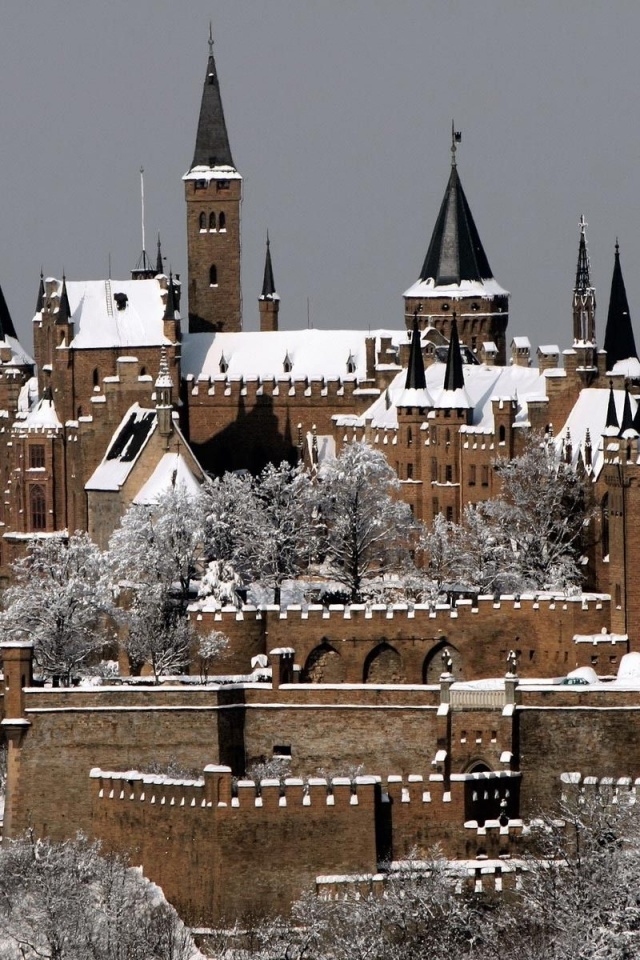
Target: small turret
x,y
268,301
164,405
584,295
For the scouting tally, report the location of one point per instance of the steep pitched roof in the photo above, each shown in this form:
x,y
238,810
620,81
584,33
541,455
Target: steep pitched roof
x,y
619,341
268,283
454,376
455,252
416,379
212,141
7,328
583,279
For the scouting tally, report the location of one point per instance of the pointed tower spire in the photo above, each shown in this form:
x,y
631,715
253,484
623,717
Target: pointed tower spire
x,y
454,375
456,271
619,341
268,284
64,310
7,328
212,141
159,262
40,300
584,296
416,379
611,423
627,416
268,301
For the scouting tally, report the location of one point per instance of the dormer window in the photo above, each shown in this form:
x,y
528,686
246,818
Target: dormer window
x,y
223,365
287,365
351,364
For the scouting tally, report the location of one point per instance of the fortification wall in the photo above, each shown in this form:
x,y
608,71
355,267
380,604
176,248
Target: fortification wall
x,y
402,643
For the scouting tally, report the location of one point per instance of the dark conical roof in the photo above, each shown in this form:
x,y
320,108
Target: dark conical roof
x,y
64,310
455,252
268,283
627,417
454,374
416,379
619,341
612,416
40,300
7,328
212,141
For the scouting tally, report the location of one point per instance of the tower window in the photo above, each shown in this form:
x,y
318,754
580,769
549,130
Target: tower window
x,y
96,378
212,221
502,434
409,436
222,184
445,306
213,275
485,476
36,456
474,307
409,471
203,221
38,508
222,222
472,475
448,473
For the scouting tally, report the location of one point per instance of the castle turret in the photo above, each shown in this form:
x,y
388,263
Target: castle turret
x,y
268,301
619,342
456,276
213,191
164,405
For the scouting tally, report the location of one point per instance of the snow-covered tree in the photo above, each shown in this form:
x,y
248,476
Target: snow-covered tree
x,y
160,545
155,555
369,531
226,502
277,536
541,512
59,600
209,648
68,901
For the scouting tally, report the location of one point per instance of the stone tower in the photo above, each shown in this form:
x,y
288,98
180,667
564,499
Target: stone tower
x,y
456,276
213,191
584,315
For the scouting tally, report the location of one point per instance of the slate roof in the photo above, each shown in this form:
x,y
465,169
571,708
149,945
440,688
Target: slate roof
x,y
619,341
212,141
268,283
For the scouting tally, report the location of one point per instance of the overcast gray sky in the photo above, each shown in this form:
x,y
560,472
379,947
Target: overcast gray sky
x,y
339,113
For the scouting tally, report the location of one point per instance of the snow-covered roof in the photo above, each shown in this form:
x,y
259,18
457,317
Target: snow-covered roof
x,y
483,289
212,173
19,356
42,416
309,353
99,323
127,443
481,383
590,413
172,471
629,368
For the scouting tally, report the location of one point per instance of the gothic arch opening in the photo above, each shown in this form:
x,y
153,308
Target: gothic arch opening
x,y
433,666
202,220
384,665
212,221
222,222
324,665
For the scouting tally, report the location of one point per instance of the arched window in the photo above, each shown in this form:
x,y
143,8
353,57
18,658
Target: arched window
x,y
222,222
213,275
203,221
38,508
502,434
96,378
212,221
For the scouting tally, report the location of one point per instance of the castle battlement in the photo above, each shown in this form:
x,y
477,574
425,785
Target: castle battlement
x,y
251,388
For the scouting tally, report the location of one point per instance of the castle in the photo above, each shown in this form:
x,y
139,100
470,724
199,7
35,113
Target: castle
x,y
128,397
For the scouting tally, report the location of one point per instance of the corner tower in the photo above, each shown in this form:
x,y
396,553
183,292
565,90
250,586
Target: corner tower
x,y
213,191
456,276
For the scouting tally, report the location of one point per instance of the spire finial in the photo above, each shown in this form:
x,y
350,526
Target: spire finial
x,y
456,137
617,247
583,224
210,39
